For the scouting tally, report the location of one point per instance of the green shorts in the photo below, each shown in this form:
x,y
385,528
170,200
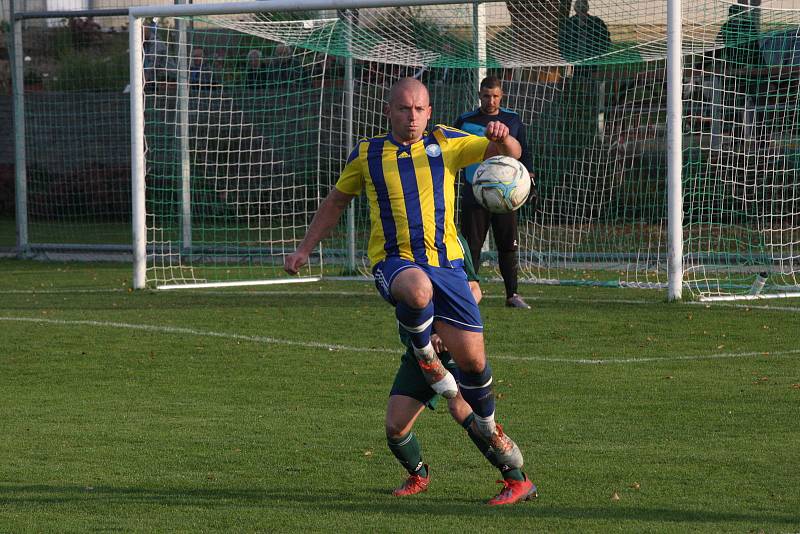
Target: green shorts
x,y
410,382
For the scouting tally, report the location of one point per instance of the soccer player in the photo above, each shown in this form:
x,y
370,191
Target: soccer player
x,y
410,395
475,219
409,175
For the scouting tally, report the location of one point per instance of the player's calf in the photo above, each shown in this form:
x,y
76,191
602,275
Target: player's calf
x,y
476,388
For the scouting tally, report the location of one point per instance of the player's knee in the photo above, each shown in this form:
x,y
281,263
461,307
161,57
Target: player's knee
x,y
413,288
395,429
417,297
508,249
475,367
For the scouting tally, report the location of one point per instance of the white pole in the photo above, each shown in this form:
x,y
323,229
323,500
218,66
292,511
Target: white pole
x,y
137,154
674,150
479,40
348,107
20,158
183,111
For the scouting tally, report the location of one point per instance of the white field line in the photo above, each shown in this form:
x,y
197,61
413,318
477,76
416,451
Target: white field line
x,y
397,350
58,291
195,332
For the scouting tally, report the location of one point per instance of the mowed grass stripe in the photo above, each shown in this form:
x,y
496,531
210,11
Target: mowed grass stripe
x,y
369,292
335,347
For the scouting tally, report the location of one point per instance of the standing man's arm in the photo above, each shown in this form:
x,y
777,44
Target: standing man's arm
x,y
324,221
526,158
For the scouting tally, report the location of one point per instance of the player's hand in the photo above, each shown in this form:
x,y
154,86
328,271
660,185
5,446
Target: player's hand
x,y
294,261
438,344
496,131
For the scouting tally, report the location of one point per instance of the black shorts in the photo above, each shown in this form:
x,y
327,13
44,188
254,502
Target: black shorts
x,y
476,220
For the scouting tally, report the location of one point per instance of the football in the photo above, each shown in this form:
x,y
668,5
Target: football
x,y
501,184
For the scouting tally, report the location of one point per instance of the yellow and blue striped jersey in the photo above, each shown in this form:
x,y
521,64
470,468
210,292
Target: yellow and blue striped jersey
x,y
411,192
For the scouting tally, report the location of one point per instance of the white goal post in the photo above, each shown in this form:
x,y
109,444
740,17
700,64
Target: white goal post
x,y
666,150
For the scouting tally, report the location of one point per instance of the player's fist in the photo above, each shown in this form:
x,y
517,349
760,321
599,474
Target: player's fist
x,y
496,131
294,261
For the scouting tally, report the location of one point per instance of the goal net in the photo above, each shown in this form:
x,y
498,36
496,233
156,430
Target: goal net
x,y
248,119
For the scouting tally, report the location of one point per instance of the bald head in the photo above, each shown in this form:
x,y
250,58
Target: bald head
x,y
411,85
408,110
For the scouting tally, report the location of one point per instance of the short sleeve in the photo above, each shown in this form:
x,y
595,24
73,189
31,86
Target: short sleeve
x,y
472,150
351,180
464,148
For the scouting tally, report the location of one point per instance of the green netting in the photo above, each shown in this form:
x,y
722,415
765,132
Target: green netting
x,y
592,90
261,146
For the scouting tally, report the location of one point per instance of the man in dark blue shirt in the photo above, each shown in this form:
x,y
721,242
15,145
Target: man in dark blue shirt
x,y
475,219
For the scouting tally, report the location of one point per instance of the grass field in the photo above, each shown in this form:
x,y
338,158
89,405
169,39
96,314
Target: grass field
x,y
261,410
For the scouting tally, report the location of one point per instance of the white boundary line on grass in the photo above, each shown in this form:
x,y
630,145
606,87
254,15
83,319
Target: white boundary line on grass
x,y
58,291
398,350
195,332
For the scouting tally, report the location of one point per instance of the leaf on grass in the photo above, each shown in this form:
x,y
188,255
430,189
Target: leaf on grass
x,y
368,452
615,496
795,386
635,486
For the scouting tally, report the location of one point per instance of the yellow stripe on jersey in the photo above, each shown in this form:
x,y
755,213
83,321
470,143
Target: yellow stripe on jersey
x,y
411,193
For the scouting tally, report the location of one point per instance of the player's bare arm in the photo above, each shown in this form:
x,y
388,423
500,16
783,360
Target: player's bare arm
x,y
502,143
324,221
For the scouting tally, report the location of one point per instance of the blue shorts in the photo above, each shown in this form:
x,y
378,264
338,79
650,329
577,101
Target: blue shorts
x,y
452,299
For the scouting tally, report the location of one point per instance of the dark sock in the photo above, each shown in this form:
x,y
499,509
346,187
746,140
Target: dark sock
x,y
512,474
409,453
479,442
416,322
476,388
506,471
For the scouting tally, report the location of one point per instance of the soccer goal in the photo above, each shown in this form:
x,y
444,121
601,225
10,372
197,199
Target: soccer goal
x,y
665,137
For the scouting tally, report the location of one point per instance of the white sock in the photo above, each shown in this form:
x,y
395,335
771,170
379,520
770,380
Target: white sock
x,y
426,353
486,425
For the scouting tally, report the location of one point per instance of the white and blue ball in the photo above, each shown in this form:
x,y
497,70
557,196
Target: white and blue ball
x,y
501,184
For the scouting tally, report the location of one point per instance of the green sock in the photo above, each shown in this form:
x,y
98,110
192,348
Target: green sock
x,y
513,474
408,452
488,453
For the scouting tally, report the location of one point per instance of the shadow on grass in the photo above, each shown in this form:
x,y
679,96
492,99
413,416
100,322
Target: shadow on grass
x,y
373,501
